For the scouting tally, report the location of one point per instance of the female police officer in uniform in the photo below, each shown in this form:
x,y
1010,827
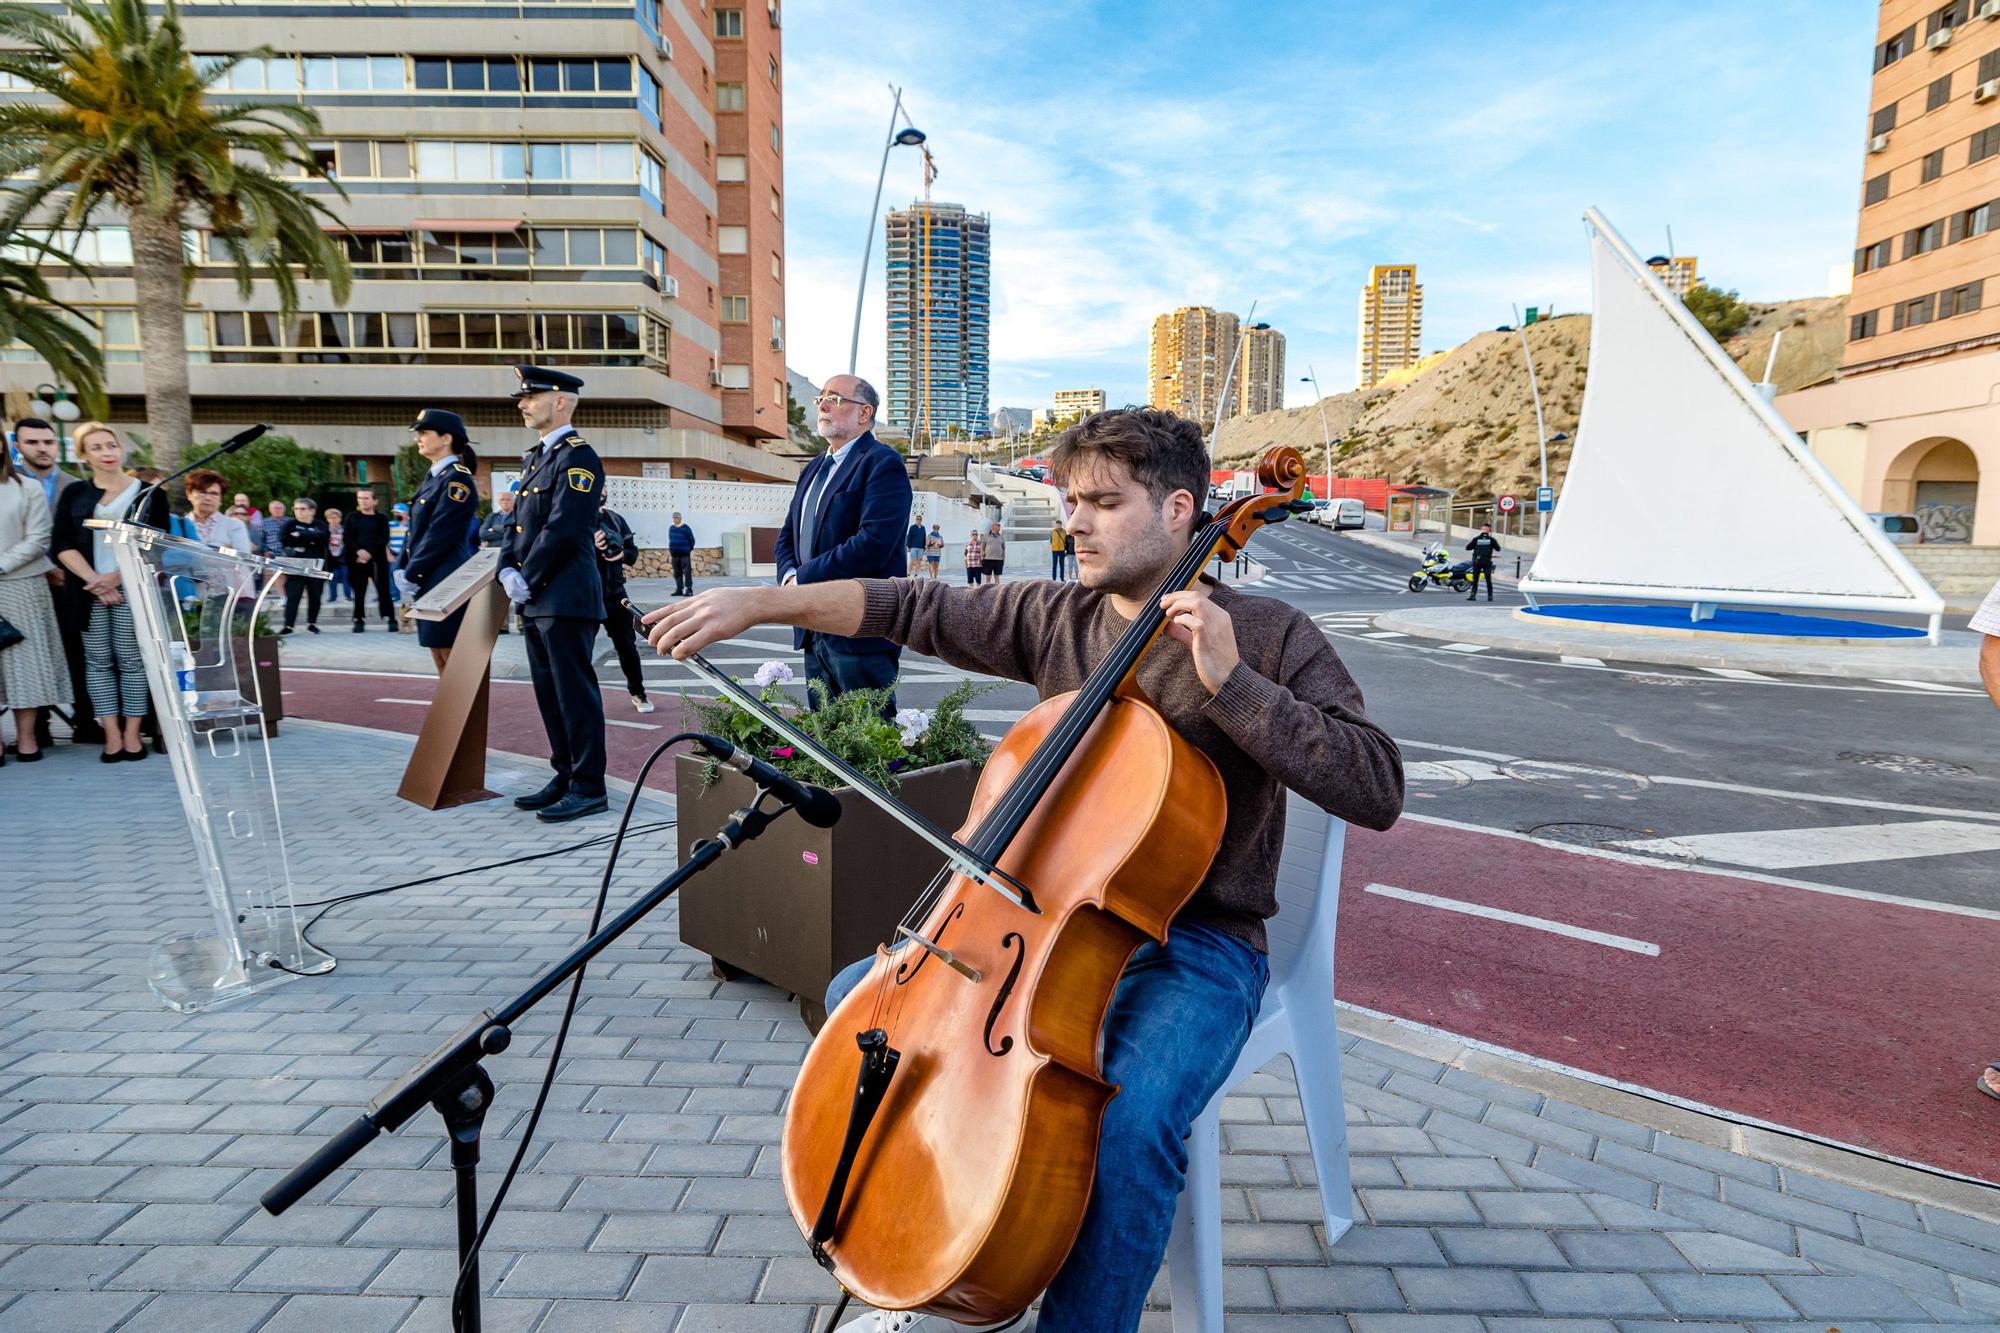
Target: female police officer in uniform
x,y
548,565
443,519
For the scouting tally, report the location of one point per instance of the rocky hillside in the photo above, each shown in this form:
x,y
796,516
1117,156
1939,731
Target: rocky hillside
x,y
1465,419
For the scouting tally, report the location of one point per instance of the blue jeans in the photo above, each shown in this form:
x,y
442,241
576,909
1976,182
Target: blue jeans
x,y
338,585
1177,1022
844,671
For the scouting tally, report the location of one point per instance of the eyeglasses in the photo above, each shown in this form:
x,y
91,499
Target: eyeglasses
x,y
829,399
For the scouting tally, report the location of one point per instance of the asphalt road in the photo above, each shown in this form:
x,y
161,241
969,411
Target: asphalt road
x,y
1799,878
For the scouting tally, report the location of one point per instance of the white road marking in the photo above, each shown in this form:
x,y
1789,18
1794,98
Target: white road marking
x,y
1786,849
1931,686
420,703
1563,928
1582,661
1734,673
1751,876
1385,634
1809,797
1464,647
636,726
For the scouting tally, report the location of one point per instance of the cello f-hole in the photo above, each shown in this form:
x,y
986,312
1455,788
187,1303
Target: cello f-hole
x,y
907,972
1006,989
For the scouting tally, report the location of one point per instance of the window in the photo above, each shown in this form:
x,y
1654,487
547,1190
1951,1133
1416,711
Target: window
x,y
728,23
777,331
1922,240
577,75
252,74
1910,314
448,160
735,377
1940,93
777,267
1974,221
1933,166
1949,17
1884,121
778,393
354,74
776,147
774,205
1889,52
652,178
1960,300
733,240
649,97
1989,67
1871,257
581,161
735,309
729,97
773,62
1877,189
731,167
653,256
1862,325
1985,144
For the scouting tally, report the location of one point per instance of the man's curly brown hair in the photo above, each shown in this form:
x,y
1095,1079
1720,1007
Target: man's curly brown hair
x,y
1163,452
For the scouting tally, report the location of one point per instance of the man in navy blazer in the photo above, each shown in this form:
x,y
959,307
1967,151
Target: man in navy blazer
x,y
846,522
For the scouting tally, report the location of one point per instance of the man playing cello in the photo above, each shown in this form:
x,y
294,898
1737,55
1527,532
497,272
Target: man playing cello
x,y
1249,681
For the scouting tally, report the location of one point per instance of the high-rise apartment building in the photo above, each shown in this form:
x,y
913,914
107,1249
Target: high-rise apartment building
x,y
581,183
939,266
1391,325
1077,402
1260,373
1188,358
1677,274
1909,424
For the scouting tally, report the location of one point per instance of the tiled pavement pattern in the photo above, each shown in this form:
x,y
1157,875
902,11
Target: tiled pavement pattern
x,y
134,1141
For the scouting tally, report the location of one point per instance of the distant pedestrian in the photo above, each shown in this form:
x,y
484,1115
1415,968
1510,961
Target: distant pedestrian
x,y
33,675
367,543
934,549
680,549
1484,548
913,546
617,547
975,559
212,527
252,516
1058,551
493,528
992,553
36,441
269,539
1986,623
336,560
303,537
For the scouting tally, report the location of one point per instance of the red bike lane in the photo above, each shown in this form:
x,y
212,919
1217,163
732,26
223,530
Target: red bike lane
x,y
1859,1021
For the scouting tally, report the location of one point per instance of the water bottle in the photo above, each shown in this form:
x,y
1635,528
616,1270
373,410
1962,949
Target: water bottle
x,y
184,679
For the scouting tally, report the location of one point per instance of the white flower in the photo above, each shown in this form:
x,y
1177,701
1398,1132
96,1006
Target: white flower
x,y
913,722
772,673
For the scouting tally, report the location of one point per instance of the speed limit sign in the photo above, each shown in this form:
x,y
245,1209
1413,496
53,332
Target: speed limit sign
x,y
1506,504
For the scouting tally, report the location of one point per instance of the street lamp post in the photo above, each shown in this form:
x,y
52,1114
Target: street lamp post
x,y
1325,435
1222,404
1541,429
909,136
53,400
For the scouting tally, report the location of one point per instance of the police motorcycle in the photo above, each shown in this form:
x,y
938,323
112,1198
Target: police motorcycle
x,y
1437,571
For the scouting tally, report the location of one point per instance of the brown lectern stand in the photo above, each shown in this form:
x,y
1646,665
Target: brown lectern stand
x,y
449,765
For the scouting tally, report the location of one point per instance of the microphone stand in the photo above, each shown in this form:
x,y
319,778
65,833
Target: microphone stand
x,y
452,1080
228,446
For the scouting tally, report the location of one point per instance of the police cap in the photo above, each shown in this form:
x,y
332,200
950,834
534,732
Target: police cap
x,y
540,379
441,421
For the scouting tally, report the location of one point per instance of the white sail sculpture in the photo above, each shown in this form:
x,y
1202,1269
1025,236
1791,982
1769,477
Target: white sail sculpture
x,y
1685,485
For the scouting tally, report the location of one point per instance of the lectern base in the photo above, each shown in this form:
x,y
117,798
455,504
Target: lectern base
x,y
195,972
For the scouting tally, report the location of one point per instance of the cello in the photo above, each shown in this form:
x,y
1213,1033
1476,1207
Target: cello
x,y
941,1142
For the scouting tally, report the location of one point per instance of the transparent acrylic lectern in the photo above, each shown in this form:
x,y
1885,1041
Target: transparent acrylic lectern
x,y
195,609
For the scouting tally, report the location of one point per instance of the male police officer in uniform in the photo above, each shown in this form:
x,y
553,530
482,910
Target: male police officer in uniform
x,y
548,565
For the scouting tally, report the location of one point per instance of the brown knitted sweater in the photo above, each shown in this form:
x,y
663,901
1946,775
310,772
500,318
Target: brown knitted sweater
x,y
1288,716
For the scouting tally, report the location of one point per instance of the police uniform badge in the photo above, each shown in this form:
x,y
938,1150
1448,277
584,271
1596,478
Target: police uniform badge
x,y
581,479
457,491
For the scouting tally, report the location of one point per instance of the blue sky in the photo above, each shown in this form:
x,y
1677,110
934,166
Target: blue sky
x,y
1137,157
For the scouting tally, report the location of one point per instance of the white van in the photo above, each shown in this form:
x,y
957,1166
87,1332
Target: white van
x,y
1343,514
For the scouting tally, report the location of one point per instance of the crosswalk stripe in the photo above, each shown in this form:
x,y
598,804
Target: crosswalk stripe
x,y
1464,647
1783,849
636,726
1385,634
1931,686
1735,673
1582,661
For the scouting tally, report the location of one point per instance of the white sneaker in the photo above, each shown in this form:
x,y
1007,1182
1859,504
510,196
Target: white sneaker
x,y
908,1321
641,704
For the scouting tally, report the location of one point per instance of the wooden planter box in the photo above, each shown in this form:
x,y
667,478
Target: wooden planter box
x,y
800,903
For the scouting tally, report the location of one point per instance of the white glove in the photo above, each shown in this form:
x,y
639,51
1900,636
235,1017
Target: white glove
x,y
404,586
516,586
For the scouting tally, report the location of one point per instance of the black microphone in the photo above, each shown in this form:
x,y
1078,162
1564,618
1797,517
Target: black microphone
x,y
816,805
241,438
228,446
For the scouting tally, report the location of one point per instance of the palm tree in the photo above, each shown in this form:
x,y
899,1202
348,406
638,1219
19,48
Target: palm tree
x,y
52,329
124,124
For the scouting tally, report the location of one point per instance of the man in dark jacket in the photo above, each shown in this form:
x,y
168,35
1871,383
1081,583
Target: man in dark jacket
x,y
303,536
680,545
846,522
367,553
617,547
1484,548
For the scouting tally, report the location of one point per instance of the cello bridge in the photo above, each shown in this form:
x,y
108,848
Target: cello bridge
x,y
939,952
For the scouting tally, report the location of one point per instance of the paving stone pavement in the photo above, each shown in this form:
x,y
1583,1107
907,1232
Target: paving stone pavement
x,y
134,1141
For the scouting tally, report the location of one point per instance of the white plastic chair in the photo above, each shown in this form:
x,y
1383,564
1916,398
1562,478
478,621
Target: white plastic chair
x,y
1296,1020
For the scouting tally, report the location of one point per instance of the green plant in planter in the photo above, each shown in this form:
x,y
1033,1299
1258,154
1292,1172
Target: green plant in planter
x,y
191,622
851,726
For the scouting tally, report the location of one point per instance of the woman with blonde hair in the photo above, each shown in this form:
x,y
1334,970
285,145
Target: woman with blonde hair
x,y
33,675
112,665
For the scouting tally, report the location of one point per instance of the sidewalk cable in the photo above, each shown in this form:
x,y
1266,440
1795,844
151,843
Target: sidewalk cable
x,y
458,1288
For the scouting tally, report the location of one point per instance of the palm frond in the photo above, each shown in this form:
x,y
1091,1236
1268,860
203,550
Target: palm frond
x,y
30,314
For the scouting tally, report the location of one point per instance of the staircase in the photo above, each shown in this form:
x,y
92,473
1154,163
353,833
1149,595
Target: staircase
x,y
1028,510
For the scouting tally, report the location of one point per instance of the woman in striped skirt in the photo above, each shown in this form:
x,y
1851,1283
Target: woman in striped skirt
x,y
112,665
32,673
